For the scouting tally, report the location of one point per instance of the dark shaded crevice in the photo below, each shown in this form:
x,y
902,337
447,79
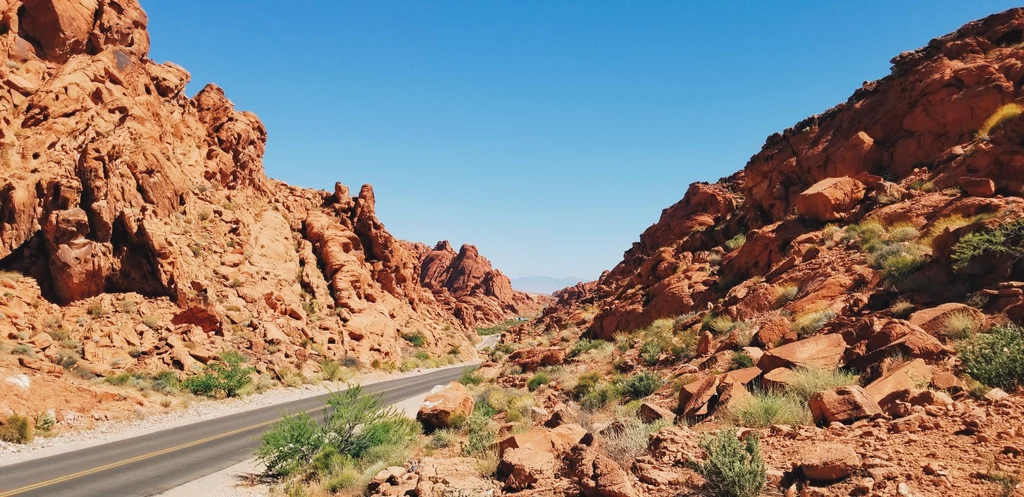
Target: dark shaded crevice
x,y
31,259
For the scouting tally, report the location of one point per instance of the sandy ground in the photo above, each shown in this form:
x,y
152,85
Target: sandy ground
x,y
199,411
234,481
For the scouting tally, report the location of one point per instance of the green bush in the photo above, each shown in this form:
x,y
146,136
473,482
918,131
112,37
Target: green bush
x,y
651,350
735,242
469,377
538,379
641,385
741,360
417,339
17,429
733,468
358,431
442,438
499,328
586,345
995,358
480,437
226,376
1005,239
45,421
765,409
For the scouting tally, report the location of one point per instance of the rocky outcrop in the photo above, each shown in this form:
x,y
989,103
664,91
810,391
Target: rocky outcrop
x,y
138,224
471,289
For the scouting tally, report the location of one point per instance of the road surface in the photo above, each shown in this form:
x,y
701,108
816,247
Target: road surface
x,y
488,342
159,461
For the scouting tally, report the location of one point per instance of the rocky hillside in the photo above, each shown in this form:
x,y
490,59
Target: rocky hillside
x,y
138,231
844,313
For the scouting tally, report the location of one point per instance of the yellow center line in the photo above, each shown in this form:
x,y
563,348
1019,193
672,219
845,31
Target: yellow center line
x,y
143,457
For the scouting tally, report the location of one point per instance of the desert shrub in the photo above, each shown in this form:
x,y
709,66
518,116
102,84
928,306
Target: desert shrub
x,y
592,393
443,438
586,345
959,325
867,232
901,309
630,440
17,429
1001,115
741,360
479,435
46,421
358,431
166,382
809,381
733,468
416,339
1005,239
651,350
538,379
469,377
585,384
226,376
810,322
24,350
785,294
151,322
897,261
720,325
903,232
641,385
290,444
350,362
96,309
995,358
765,408
735,242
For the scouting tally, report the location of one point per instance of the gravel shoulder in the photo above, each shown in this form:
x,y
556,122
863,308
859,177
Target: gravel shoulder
x,y
110,431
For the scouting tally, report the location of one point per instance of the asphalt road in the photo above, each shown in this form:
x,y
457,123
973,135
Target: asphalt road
x,y
159,461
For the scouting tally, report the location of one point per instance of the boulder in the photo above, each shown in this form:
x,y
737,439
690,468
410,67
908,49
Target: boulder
x,y
535,358
978,187
649,413
528,458
912,375
597,474
821,351
777,378
830,199
933,320
843,405
444,403
828,462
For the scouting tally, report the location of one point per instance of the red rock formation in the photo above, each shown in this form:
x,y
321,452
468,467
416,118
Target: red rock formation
x,y
467,284
151,234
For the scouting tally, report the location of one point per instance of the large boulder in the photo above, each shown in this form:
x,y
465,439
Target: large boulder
x,y
843,404
535,358
443,404
828,462
830,199
535,456
821,351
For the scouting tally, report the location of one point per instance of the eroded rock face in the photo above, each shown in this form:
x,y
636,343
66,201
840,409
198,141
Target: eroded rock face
x,y
467,284
147,230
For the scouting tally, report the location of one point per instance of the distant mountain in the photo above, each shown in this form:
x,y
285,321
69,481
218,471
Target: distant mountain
x,y
542,284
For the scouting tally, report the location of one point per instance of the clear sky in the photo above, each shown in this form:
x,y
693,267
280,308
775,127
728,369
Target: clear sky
x,y
548,133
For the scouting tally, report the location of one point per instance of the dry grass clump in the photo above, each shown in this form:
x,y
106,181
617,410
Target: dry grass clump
x,y
767,408
810,322
901,309
1000,116
959,325
785,294
625,444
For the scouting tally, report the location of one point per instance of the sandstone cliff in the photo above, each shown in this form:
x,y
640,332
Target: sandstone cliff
x,y
138,231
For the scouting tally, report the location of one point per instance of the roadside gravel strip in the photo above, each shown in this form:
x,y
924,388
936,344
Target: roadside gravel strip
x,y
158,461
204,410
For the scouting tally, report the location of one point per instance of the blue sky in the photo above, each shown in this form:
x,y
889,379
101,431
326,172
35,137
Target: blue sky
x,y
548,133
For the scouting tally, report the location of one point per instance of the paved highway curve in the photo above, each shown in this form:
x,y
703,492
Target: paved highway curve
x,y
159,461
